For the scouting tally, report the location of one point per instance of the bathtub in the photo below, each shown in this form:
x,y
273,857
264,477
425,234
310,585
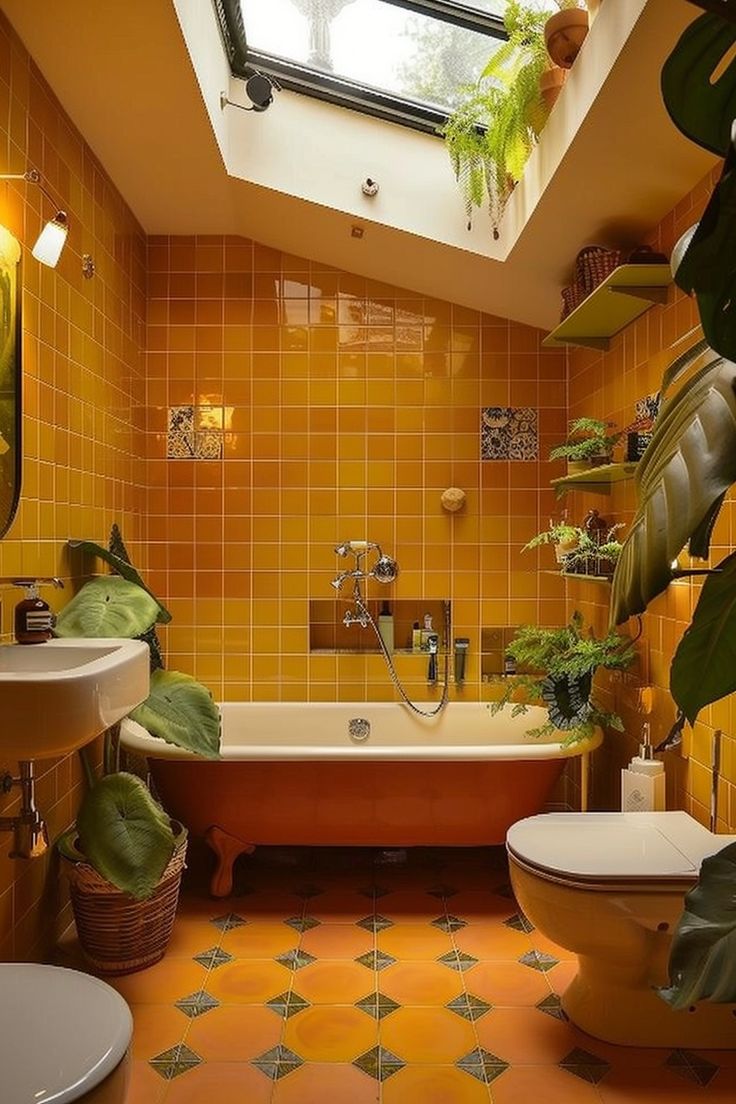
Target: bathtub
x,y
370,774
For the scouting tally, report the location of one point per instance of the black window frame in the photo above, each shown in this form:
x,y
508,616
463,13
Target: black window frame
x,y
337,90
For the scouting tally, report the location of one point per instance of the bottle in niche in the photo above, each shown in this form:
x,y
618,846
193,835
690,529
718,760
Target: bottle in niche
x,y
33,617
427,631
416,638
386,627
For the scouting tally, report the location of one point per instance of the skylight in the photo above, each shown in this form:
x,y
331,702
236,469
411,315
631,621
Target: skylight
x,y
404,60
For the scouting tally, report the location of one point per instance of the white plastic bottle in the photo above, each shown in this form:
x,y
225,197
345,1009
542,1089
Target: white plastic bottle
x,y
643,782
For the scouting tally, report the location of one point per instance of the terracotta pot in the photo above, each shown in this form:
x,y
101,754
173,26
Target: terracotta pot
x,y
564,34
550,84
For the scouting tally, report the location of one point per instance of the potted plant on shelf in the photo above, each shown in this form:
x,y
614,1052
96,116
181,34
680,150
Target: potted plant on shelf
x,y
124,856
564,537
566,660
565,32
588,445
595,554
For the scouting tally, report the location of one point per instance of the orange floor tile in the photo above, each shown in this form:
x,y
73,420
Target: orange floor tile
x,y
360,977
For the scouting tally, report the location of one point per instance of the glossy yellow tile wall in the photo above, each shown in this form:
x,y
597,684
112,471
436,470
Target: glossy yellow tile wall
x,y
607,386
82,414
346,408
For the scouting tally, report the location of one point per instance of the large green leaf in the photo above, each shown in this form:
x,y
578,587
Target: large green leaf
x,y
108,606
121,567
703,956
688,465
701,108
704,667
181,711
125,834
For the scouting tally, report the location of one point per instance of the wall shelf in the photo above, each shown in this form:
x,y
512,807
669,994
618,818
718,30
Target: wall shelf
x,y
629,291
579,575
597,480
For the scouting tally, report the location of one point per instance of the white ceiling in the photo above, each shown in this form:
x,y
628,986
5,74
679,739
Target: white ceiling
x,y
141,79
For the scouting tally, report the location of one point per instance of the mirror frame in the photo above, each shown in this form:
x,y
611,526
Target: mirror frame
x,y
11,463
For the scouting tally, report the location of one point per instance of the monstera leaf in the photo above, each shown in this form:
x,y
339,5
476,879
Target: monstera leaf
x,y
182,712
703,956
108,606
124,834
121,567
703,109
704,667
689,465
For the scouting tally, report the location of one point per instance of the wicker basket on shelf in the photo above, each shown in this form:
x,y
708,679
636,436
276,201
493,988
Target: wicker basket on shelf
x,y
593,264
117,933
572,297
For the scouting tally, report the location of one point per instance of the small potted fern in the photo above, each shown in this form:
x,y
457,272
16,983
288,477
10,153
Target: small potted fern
x,y
588,445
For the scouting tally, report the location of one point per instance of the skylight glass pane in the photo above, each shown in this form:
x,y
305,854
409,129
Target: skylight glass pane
x,y
374,43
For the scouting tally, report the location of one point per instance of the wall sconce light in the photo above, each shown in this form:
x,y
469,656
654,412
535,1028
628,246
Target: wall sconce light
x,y
52,239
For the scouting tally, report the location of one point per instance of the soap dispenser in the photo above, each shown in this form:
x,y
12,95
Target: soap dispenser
x,y
33,616
643,783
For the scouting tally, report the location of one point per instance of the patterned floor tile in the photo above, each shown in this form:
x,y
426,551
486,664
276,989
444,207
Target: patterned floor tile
x,y
552,1006
235,1033
493,941
377,1005
295,959
302,923
156,1028
277,1062
220,1082
422,983
375,960
324,1083
374,923
519,922
331,1033
482,1065
469,1006
337,941
458,960
442,890
692,1067
213,958
428,1084
536,960
449,923
287,1004
196,1004
308,890
260,938
340,982
415,942
174,1062
507,983
549,1085
166,982
428,1035
586,1066
229,921
379,1063
248,982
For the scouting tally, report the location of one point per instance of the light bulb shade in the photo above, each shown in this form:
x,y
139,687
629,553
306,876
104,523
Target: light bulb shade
x,y
51,240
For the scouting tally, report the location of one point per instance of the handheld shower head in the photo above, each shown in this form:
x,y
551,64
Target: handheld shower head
x,y
340,579
385,569
343,549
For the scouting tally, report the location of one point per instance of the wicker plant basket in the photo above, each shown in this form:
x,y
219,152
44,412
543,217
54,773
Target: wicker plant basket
x,y
593,264
572,297
118,934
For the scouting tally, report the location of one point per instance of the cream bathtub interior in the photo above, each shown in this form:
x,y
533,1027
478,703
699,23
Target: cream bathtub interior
x,y
292,772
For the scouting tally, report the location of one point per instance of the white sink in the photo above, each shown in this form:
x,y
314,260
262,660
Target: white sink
x,y
56,697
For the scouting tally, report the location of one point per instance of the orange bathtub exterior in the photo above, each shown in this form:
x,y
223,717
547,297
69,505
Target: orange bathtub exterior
x,y
379,804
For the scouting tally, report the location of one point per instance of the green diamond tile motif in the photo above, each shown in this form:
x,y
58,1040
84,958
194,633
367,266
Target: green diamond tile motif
x,y
213,957
196,1004
536,960
482,1065
692,1067
302,923
469,1006
449,924
379,1063
375,960
442,890
586,1066
505,890
457,960
228,922
295,959
308,891
277,1062
552,1006
288,1004
518,922
374,923
377,1005
172,1063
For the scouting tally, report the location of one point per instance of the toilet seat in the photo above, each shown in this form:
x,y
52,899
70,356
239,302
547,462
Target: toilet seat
x,y
62,1032
604,851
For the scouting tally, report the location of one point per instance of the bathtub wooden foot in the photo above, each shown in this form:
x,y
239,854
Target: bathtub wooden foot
x,y
227,848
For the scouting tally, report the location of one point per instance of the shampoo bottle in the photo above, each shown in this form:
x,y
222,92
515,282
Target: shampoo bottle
x,y
33,617
386,627
416,638
643,782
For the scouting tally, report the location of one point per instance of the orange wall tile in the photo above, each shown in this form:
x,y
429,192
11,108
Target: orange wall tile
x,y
82,416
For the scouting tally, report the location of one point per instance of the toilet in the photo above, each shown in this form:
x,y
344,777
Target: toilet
x,y
64,1037
610,887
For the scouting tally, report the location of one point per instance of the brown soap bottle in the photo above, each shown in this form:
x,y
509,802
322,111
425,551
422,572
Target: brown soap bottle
x,y
33,616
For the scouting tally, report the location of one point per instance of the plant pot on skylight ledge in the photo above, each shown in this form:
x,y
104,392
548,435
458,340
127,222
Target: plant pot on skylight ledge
x,y
564,34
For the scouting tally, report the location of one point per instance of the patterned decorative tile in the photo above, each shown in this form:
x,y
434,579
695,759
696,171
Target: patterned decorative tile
x,y
552,1006
288,1004
379,1063
442,891
228,922
277,1062
449,924
296,959
586,1066
537,960
308,891
213,957
302,923
647,409
180,433
377,1005
469,1006
482,1065
208,445
458,960
692,1067
374,923
171,1063
505,890
375,960
518,922
509,433
196,1004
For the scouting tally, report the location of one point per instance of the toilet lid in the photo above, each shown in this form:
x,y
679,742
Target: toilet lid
x,y
61,1033
606,847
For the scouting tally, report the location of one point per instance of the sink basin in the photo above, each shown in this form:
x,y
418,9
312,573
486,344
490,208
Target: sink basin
x,y
56,697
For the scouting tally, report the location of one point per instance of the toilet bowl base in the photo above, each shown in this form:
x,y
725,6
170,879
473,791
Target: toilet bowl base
x,y
638,1017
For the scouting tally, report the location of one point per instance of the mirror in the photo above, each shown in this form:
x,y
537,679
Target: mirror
x,y
10,378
